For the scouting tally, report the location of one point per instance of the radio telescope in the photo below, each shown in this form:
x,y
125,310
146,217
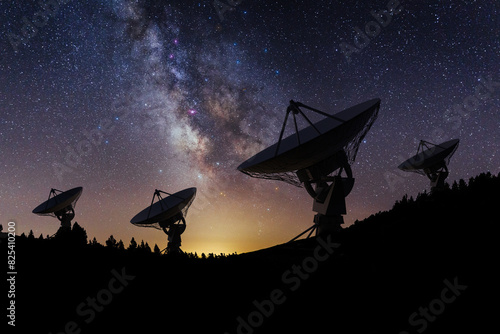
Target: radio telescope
x,y
61,206
318,158
167,214
432,160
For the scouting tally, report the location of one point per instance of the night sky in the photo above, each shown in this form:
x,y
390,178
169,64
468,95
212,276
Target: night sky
x,y
125,97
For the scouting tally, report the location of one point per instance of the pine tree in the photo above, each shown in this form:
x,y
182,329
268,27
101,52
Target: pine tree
x,y
120,246
133,245
78,235
111,242
156,249
94,242
31,236
404,200
462,186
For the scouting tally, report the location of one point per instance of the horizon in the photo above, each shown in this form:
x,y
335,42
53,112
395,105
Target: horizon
x,y
139,241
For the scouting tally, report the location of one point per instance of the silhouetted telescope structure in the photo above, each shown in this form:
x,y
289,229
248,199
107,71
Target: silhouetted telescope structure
x,y
167,214
432,160
60,205
319,157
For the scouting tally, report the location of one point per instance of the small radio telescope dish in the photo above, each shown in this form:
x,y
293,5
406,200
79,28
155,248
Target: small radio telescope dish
x,y
167,214
61,205
432,160
315,157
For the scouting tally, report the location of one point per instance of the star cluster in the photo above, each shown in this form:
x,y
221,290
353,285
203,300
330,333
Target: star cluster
x,y
124,97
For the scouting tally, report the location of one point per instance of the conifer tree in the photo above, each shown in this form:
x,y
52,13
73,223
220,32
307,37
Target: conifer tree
x,y
111,242
133,245
78,235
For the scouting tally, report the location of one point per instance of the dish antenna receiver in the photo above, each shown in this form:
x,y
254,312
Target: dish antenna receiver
x,y
318,158
432,160
167,214
60,205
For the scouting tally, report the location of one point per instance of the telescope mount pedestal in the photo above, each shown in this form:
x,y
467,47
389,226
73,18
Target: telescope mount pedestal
x,y
174,231
65,216
329,193
437,176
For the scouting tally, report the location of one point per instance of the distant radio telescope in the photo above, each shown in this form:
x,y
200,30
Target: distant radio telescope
x,y
432,160
167,214
60,205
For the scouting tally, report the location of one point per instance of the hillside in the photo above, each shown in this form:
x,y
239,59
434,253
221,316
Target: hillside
x,y
428,259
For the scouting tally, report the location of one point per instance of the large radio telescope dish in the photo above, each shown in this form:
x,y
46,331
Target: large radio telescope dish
x,y
167,214
343,131
313,155
432,160
60,205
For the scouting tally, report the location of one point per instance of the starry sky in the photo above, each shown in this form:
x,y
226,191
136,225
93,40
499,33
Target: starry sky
x,y
124,97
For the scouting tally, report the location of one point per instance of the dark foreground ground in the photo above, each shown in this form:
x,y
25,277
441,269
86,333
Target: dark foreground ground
x,y
427,265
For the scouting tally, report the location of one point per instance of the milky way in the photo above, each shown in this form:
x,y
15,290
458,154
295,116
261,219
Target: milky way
x,y
124,97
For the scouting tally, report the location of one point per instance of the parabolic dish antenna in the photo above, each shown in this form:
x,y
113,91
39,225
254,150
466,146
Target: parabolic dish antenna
x,y
342,131
312,155
432,160
61,205
167,214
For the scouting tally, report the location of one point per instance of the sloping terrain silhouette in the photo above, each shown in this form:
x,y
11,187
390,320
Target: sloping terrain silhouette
x,y
426,265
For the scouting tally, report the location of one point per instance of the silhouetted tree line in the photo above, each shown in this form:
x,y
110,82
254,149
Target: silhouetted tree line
x,y
76,237
481,183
